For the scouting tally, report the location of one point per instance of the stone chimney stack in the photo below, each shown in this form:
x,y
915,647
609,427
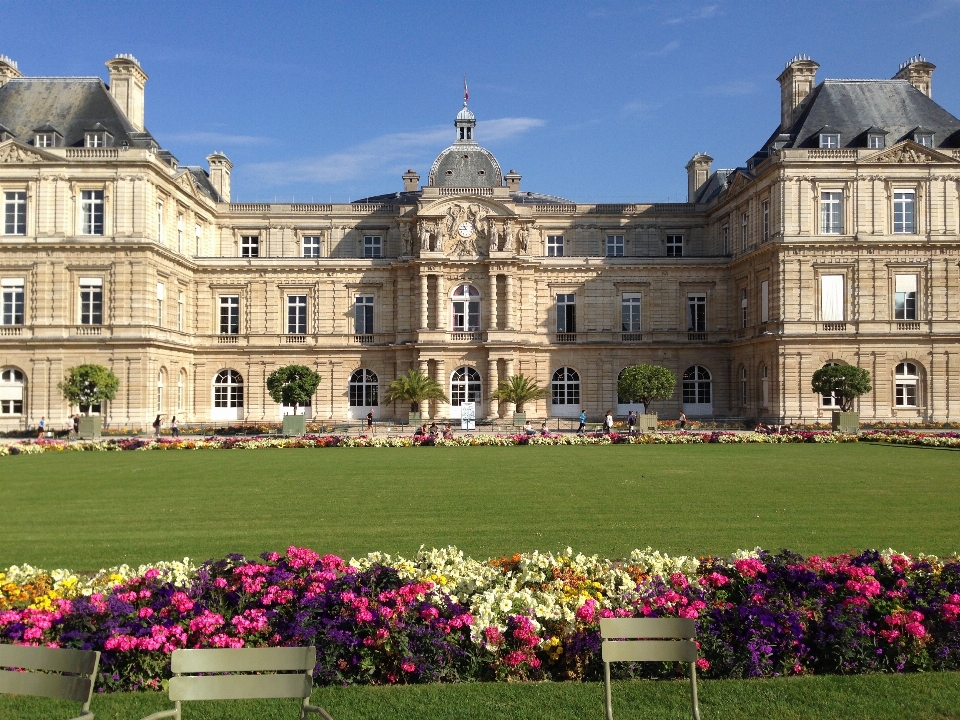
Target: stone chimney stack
x,y
411,181
8,70
698,170
796,82
919,73
127,81
513,181
220,167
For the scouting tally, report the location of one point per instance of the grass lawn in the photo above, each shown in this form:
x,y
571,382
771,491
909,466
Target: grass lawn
x,y
88,510
868,697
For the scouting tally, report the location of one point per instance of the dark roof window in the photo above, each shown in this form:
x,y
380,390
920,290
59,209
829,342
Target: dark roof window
x,y
923,136
97,136
47,136
829,138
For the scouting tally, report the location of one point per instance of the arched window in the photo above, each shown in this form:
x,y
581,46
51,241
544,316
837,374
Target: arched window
x,y
181,385
696,386
565,388
228,389
464,386
11,392
466,308
743,386
364,389
764,386
830,401
907,383
160,391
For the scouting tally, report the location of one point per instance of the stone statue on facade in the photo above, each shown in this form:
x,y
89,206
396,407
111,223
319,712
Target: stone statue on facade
x,y
438,235
424,237
494,236
508,242
523,235
406,241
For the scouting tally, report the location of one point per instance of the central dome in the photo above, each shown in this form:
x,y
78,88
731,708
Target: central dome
x,y
465,164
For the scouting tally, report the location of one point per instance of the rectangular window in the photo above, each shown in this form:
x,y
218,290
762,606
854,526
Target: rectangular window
x,y
91,301
554,245
743,308
765,210
179,233
363,315
630,312
159,220
831,298
95,139
296,314
906,394
180,312
765,301
566,313
11,295
875,142
925,139
91,211
725,239
229,314
250,246
11,407
831,213
43,140
199,232
905,297
15,213
160,294
829,140
674,245
744,232
614,245
696,313
311,246
372,246
904,205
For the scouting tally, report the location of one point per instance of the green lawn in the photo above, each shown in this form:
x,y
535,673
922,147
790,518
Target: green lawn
x,y
88,510
870,697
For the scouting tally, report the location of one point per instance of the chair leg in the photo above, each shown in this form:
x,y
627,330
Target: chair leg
x,y
693,691
606,690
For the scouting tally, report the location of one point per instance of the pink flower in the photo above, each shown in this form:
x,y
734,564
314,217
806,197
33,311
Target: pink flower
x,y
679,580
145,612
206,623
32,633
181,602
749,567
703,664
151,574
408,666
220,583
916,629
301,557
587,611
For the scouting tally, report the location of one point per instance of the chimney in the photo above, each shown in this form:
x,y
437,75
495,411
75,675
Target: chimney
x,y
919,73
796,82
513,181
8,70
220,167
127,80
698,170
411,181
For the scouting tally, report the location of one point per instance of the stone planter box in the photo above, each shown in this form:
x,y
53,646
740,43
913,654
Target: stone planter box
x,y
647,422
846,422
519,418
414,418
90,427
294,425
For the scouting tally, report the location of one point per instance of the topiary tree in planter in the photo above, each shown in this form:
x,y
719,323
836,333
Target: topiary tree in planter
x,y
293,385
519,390
415,387
89,385
845,383
646,384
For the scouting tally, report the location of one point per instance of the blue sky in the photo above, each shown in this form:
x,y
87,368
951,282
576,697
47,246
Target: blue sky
x,y
589,101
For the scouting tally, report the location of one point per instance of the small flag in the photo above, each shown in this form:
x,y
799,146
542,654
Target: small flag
x,y
466,92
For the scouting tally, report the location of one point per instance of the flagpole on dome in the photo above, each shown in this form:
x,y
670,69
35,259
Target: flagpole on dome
x,y
466,92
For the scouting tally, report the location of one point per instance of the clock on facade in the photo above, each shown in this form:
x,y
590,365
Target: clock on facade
x,y
465,229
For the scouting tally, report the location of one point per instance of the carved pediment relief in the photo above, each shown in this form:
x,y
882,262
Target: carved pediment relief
x,y
908,152
740,181
15,152
464,227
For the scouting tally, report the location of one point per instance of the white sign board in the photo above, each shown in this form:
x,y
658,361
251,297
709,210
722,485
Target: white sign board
x,y
468,416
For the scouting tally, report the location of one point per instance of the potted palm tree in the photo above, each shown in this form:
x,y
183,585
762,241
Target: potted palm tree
x,y
519,390
86,386
415,387
845,383
645,384
293,385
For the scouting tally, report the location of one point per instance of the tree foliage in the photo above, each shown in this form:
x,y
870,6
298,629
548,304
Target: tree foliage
x,y
845,382
89,385
646,384
293,385
519,390
415,387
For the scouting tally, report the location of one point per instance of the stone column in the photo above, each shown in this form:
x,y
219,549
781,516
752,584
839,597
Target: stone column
x,y
441,305
511,408
510,302
423,301
492,382
443,408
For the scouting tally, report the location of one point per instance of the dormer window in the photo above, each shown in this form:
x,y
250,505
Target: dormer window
x,y
876,141
95,139
829,140
44,140
923,138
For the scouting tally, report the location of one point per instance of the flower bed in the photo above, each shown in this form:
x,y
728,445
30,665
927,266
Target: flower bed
x,y
346,441
444,617
912,437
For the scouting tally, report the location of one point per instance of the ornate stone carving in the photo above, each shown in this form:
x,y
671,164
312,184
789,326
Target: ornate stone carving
x,y
13,153
494,235
406,239
523,236
906,152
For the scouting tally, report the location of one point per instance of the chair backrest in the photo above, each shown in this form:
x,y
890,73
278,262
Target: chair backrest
x,y
648,640
296,664
67,674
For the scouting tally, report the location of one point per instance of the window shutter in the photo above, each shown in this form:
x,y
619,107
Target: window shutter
x,y
159,291
831,298
905,283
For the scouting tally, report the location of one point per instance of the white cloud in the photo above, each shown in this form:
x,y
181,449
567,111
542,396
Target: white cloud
x,y
702,13
666,49
731,89
382,154
212,138
939,8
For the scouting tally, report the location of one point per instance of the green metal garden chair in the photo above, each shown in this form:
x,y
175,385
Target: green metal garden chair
x,y
649,640
290,668
58,673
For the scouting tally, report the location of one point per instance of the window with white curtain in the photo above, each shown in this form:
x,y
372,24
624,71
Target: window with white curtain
x,y
831,213
905,297
831,298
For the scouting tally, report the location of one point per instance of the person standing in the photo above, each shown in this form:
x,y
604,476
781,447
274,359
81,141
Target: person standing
x,y
583,423
156,427
682,422
608,423
175,427
371,430
632,422
76,426
42,427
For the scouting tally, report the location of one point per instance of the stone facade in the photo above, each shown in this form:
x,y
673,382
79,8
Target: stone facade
x,y
769,272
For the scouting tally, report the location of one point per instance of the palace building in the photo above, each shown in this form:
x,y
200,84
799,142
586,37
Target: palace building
x,y
837,242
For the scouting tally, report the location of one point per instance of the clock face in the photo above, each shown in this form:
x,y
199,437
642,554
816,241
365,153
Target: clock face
x,y
465,229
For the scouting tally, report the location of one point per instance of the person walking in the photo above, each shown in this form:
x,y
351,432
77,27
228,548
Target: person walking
x,y
371,430
583,423
42,427
156,427
76,426
632,422
175,427
682,422
608,423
